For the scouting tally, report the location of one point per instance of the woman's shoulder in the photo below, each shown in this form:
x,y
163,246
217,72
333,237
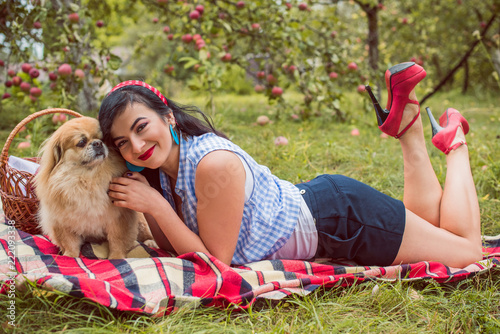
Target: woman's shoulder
x,y
207,143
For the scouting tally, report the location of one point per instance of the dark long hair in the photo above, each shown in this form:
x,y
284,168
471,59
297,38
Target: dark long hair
x,y
116,102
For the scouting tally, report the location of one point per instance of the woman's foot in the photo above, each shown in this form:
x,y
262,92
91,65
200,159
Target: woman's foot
x,y
450,133
401,80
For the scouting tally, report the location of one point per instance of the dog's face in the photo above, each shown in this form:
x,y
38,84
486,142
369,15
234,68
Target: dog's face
x,y
78,142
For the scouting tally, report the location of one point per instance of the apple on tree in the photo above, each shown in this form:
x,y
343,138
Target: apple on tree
x,y
352,66
16,81
276,91
25,86
74,18
35,91
64,70
26,68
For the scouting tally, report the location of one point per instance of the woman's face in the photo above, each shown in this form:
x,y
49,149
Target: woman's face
x,y
142,136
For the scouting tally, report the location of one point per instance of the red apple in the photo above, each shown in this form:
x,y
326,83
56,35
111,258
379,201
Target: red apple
x,y
34,73
37,25
404,20
64,70
292,68
11,73
2,63
79,74
5,96
333,75
63,118
16,81
24,144
226,57
170,37
197,37
25,86
55,118
74,18
52,76
194,15
200,9
352,66
277,91
187,38
354,132
35,91
166,29
53,85
240,4
280,141
361,89
259,88
302,6
8,83
262,120
26,68
482,24
333,34
288,5
261,74
155,20
255,26
99,24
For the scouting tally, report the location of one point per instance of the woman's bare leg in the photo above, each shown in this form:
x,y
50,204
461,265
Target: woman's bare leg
x,y
423,241
459,205
422,191
456,240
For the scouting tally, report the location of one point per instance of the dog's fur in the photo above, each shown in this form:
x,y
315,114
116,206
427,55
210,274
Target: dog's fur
x,y
71,184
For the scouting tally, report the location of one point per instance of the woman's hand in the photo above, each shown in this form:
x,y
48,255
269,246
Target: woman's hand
x,y
134,192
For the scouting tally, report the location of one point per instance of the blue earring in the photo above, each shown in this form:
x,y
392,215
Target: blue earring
x,y
134,168
174,135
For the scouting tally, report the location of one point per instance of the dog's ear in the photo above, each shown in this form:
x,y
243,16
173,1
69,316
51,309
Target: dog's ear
x,y
50,155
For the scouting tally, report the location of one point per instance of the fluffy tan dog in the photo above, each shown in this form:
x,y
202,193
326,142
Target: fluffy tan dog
x,y
72,182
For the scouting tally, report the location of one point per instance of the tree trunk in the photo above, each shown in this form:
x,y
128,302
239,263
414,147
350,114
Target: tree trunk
x,y
371,13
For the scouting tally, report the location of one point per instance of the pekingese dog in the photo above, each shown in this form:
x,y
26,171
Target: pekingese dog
x,y
71,184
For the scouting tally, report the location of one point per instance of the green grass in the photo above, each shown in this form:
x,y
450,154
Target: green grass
x,y
321,145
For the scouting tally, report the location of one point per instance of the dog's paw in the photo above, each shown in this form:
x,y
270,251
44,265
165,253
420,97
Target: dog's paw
x,y
71,253
116,256
151,243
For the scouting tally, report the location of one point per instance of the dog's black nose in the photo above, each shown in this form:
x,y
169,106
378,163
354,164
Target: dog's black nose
x,y
97,144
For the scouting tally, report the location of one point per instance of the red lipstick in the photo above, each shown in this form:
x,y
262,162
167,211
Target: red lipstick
x,y
146,155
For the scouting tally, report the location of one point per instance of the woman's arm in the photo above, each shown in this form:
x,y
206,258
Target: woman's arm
x,y
133,193
220,190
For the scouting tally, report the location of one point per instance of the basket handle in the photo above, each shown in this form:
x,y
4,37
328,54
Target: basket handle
x,y
5,151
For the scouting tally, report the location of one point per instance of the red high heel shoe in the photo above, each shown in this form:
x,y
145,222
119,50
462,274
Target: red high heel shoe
x,y
400,80
444,134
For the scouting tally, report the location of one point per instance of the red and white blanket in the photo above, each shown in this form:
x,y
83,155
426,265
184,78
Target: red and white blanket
x,y
153,282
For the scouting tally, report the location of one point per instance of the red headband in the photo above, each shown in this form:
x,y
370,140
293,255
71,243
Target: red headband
x,y
143,84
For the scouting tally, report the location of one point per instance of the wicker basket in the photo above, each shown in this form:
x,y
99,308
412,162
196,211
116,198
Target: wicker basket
x,y
18,197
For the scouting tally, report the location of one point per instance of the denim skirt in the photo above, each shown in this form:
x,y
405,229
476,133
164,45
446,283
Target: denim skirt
x,y
354,221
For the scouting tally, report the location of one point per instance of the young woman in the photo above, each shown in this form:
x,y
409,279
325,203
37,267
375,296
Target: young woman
x,y
200,192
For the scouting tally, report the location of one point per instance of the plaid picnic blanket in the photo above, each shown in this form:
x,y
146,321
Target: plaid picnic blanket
x,y
154,282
